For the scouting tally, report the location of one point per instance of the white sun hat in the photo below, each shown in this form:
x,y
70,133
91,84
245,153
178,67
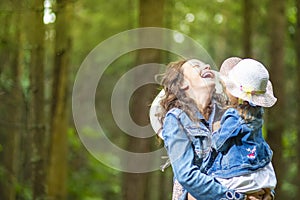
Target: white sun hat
x,y
249,81
228,64
154,109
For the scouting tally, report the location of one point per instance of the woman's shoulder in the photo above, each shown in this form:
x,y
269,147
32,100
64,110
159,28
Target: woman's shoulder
x,y
178,115
175,111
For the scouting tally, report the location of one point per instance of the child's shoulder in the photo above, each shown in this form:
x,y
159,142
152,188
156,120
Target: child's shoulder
x,y
231,111
231,114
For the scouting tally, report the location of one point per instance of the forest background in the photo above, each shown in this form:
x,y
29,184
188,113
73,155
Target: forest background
x,y
43,44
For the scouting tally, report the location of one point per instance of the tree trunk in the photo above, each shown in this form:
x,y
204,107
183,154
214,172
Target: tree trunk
x,y
59,110
135,186
297,95
248,26
37,128
11,105
275,123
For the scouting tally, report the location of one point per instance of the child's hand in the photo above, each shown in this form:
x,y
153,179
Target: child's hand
x,y
190,197
216,126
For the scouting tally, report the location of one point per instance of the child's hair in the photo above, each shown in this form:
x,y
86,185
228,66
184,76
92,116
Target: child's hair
x,y
248,112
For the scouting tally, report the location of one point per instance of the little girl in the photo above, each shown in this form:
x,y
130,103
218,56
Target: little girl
x,y
241,158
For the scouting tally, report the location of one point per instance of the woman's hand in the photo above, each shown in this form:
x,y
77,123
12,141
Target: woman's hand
x,y
257,195
263,194
268,194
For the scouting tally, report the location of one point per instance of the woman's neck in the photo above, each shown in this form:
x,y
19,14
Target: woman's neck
x,y
203,102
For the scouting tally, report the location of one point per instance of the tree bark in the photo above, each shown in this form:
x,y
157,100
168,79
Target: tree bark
x,y
37,128
136,186
11,105
248,26
59,110
276,122
297,95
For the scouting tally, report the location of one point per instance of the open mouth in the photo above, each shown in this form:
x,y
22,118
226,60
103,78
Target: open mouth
x,y
207,74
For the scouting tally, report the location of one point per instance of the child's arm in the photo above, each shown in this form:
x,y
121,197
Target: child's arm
x,y
230,127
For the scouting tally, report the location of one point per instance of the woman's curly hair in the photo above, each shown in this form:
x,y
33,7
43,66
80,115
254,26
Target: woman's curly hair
x,y
175,96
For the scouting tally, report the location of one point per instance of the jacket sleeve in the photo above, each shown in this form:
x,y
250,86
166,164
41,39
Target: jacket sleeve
x,y
181,154
231,127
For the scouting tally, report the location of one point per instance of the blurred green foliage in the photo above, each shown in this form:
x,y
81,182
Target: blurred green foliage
x,y
89,179
216,25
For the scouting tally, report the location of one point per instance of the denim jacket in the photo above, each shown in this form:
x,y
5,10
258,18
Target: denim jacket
x,y
188,144
240,146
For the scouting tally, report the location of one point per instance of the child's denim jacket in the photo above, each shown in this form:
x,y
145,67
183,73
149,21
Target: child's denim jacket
x,y
188,144
240,146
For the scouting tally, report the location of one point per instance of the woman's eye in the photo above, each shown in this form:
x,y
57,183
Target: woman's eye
x,y
198,71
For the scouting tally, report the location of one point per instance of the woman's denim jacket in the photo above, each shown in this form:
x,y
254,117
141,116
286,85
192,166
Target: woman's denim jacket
x,y
241,147
188,144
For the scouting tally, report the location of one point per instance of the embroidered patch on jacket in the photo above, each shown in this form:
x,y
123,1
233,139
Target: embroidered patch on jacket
x,y
252,153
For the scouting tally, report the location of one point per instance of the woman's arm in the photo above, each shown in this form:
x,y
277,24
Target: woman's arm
x,y
181,154
263,194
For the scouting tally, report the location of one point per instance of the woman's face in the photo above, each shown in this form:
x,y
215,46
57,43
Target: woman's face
x,y
198,76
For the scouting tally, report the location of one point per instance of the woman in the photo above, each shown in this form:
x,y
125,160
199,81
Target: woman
x,y
187,115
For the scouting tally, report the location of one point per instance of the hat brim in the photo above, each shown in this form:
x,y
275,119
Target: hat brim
x,y
154,109
266,99
228,64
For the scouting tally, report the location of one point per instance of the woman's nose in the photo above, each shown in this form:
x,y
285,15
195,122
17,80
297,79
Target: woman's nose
x,y
207,66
